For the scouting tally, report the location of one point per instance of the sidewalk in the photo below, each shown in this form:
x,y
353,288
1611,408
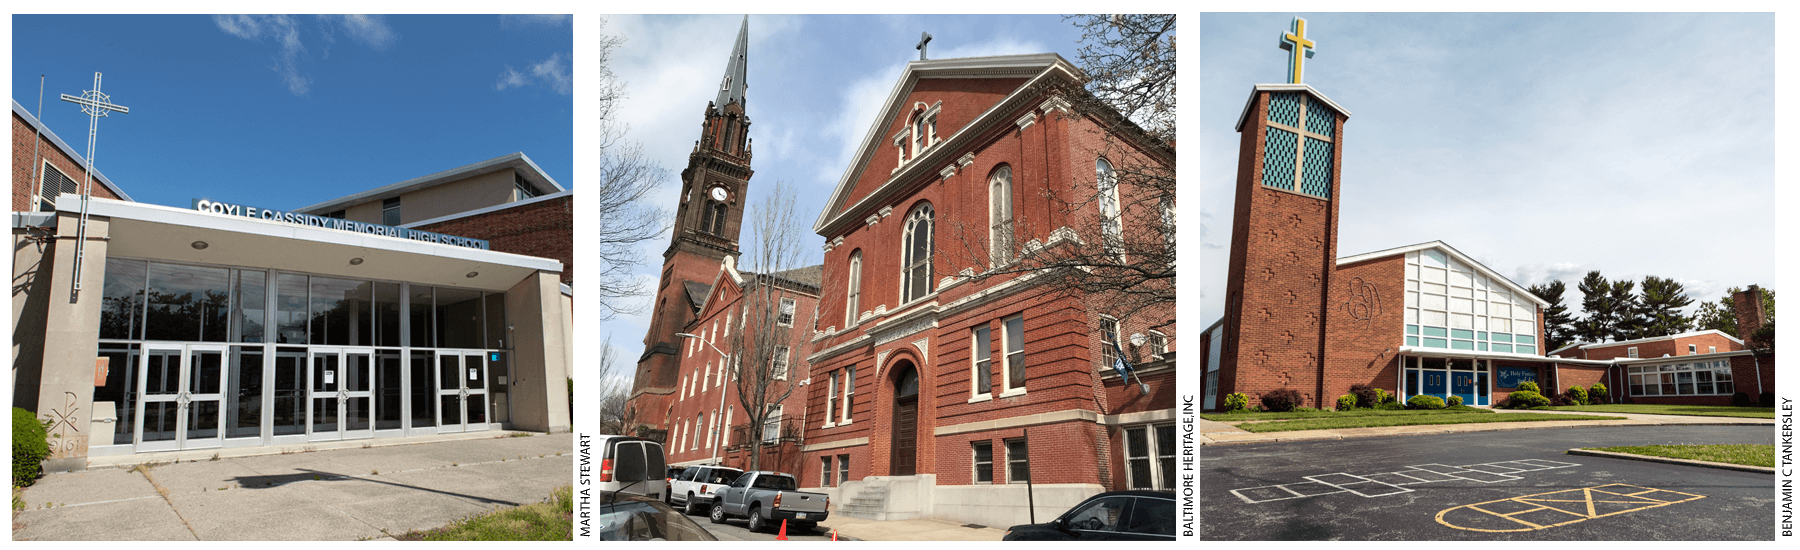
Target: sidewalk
x,y
357,493
931,529
1219,433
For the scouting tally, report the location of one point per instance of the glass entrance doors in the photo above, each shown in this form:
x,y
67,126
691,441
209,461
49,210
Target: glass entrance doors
x,y
180,389
340,394
462,391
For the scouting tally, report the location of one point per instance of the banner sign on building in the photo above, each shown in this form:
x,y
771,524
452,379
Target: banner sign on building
x,y
1511,377
310,220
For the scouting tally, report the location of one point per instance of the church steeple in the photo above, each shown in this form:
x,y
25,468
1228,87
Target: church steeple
x,y
718,171
731,88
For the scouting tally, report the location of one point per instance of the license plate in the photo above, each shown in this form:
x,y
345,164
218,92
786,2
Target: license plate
x,y
800,515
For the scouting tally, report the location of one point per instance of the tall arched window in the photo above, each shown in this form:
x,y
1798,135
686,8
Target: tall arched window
x,y
714,220
853,298
916,271
1112,231
1000,214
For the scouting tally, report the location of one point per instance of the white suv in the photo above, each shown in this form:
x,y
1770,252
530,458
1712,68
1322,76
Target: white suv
x,y
695,487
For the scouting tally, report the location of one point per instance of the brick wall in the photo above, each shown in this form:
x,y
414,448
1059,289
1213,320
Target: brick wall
x,y
23,164
1364,327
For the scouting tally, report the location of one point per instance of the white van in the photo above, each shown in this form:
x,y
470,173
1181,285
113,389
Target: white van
x,y
633,465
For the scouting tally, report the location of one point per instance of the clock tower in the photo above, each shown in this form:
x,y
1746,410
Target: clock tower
x,y
708,219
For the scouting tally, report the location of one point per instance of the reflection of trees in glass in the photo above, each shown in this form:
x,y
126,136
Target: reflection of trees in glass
x,y
119,315
183,316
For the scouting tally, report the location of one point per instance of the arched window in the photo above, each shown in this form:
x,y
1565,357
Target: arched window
x,y
853,297
714,218
1112,232
700,424
916,270
1000,214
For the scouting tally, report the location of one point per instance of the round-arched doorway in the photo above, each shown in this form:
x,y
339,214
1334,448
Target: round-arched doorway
x,y
905,431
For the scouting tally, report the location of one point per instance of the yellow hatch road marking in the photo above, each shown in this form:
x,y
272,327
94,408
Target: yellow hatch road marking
x,y
1546,510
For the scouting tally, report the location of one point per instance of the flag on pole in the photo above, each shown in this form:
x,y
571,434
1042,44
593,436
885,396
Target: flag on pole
x,y
1119,364
1124,369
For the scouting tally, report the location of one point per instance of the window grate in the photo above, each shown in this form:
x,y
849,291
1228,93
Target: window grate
x,y
1278,159
1315,170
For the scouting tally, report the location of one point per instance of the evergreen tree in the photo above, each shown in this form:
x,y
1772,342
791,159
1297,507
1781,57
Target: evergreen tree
x,y
1596,306
1628,320
1559,327
1659,305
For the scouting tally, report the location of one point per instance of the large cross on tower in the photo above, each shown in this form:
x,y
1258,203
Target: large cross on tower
x,y
924,38
1295,41
96,105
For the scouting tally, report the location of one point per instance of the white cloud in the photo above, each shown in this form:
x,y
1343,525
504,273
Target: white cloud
x,y
291,51
552,73
509,22
509,78
370,30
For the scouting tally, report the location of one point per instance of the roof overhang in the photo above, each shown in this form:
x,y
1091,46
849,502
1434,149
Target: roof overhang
x,y
1244,115
156,232
1468,354
1661,338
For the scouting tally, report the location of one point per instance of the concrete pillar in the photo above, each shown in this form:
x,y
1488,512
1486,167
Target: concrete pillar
x,y
71,337
540,336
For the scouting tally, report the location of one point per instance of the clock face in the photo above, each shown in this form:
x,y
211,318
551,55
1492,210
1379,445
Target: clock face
x,y
718,193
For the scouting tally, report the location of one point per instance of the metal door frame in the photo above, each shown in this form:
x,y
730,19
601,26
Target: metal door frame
x,y
182,397
462,391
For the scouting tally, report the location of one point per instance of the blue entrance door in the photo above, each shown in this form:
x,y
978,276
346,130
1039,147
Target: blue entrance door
x,y
1433,383
1462,384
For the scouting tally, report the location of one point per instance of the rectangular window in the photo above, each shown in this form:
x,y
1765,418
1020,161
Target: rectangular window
x,y
779,365
523,189
984,461
825,471
1712,349
843,468
1109,342
1631,352
1159,346
1018,461
772,424
786,318
1150,456
1015,353
830,397
849,394
390,211
984,363
1693,349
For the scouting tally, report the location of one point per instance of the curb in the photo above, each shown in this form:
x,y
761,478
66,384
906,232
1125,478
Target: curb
x,y
1682,461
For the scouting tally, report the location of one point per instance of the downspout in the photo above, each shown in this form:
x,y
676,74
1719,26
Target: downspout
x,y
1759,389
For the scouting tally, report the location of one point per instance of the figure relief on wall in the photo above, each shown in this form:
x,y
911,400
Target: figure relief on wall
x,y
1364,301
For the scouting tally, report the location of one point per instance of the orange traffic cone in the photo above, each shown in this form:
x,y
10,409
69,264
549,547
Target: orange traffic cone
x,y
834,535
783,534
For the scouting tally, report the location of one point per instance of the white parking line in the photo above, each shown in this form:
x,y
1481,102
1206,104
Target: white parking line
x,y
1376,485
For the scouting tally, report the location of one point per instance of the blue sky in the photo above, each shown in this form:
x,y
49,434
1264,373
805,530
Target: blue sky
x,y
816,83
1542,145
288,111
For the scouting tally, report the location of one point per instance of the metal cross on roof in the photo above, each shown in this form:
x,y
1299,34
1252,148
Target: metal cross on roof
x,y
924,38
1295,41
96,105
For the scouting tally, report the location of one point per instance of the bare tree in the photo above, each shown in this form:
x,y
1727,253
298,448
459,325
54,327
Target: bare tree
x,y
767,345
616,413
1112,241
627,176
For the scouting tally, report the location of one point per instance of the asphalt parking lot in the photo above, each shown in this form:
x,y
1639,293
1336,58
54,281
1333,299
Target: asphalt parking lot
x,y
1515,485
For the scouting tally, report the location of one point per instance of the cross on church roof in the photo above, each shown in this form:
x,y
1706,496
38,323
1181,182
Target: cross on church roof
x,y
924,38
1295,41
93,103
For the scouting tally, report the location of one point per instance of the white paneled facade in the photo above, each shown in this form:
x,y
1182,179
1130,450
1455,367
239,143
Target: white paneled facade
x,y
1451,305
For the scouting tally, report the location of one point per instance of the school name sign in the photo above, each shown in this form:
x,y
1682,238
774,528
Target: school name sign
x,y
310,220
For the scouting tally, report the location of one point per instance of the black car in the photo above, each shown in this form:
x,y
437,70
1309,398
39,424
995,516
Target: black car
x,y
625,516
1118,515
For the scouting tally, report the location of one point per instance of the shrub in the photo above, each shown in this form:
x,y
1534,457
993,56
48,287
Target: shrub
x,y
30,447
1346,402
1560,401
1597,393
1366,395
1385,397
1526,399
1455,401
1530,387
1424,402
1740,399
1390,406
1282,400
1236,401
1767,399
1578,395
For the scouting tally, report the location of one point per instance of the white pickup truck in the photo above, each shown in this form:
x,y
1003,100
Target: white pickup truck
x,y
767,498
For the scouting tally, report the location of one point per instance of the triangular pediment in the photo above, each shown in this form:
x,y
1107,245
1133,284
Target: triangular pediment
x,y
968,96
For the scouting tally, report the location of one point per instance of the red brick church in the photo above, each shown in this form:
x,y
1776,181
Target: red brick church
x,y
1419,319
927,389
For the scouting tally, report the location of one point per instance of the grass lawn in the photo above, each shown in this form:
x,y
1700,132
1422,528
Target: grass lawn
x,y
1748,455
1246,416
1432,417
1689,410
549,520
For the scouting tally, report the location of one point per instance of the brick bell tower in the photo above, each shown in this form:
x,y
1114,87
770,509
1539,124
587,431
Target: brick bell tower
x,y
707,224
1283,236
